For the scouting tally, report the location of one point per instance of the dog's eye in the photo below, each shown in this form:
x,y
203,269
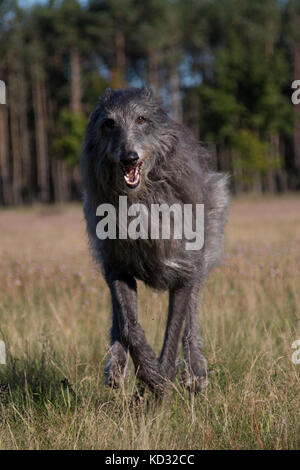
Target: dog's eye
x,y
109,124
141,120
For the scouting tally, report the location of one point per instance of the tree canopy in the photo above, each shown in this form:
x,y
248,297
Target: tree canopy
x,y
222,67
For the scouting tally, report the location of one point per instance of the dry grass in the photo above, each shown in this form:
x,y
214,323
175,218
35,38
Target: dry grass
x,y
54,319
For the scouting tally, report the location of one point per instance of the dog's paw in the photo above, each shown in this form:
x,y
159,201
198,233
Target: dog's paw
x,y
116,368
194,383
154,377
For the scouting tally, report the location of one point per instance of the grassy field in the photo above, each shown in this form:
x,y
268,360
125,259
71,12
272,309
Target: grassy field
x,y
54,320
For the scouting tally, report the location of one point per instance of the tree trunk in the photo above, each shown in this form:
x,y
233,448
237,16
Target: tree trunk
x,y
176,105
57,181
296,50
281,172
191,113
41,139
75,71
61,176
14,100
118,79
26,154
66,181
4,156
153,71
273,154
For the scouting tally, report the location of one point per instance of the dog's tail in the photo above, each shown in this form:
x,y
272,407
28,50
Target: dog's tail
x,y
218,190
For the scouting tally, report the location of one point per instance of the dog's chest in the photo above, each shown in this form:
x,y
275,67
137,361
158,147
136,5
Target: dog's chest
x,y
160,260
161,264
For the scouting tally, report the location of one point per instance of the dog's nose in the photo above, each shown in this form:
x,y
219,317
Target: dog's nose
x,y
129,158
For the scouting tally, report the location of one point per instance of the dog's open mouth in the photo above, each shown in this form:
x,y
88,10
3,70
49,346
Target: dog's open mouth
x,y
132,174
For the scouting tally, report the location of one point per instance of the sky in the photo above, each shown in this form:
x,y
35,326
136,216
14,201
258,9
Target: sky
x,y
25,3
29,3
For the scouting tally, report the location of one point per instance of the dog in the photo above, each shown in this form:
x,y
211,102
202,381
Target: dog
x,y
133,148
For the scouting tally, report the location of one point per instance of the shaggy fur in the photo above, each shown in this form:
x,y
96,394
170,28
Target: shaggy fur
x,y
174,170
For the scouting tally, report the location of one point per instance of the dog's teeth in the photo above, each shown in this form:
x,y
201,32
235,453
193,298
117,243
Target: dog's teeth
x,y
132,175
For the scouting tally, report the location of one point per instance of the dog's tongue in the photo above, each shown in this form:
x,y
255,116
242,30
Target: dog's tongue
x,y
132,175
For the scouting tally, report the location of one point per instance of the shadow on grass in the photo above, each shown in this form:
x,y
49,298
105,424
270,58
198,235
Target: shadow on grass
x,y
34,378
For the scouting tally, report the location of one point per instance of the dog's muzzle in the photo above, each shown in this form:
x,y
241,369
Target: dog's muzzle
x,y
131,168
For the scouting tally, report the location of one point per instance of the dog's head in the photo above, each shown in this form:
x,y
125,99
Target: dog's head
x,y
126,132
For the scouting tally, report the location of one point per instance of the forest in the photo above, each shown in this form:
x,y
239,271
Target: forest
x,y
224,68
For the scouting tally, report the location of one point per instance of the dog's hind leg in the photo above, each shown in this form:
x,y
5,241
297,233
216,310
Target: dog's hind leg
x,y
194,375
127,333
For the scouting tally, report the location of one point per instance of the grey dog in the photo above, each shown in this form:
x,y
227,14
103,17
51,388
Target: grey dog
x,y
133,148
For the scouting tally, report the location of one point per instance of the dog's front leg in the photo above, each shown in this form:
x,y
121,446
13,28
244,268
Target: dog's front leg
x,y
179,304
195,365
128,333
115,370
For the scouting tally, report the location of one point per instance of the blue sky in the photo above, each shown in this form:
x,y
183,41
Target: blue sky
x,y
28,3
25,3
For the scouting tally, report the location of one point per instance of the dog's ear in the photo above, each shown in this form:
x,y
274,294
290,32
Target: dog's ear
x,y
147,92
108,92
106,95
